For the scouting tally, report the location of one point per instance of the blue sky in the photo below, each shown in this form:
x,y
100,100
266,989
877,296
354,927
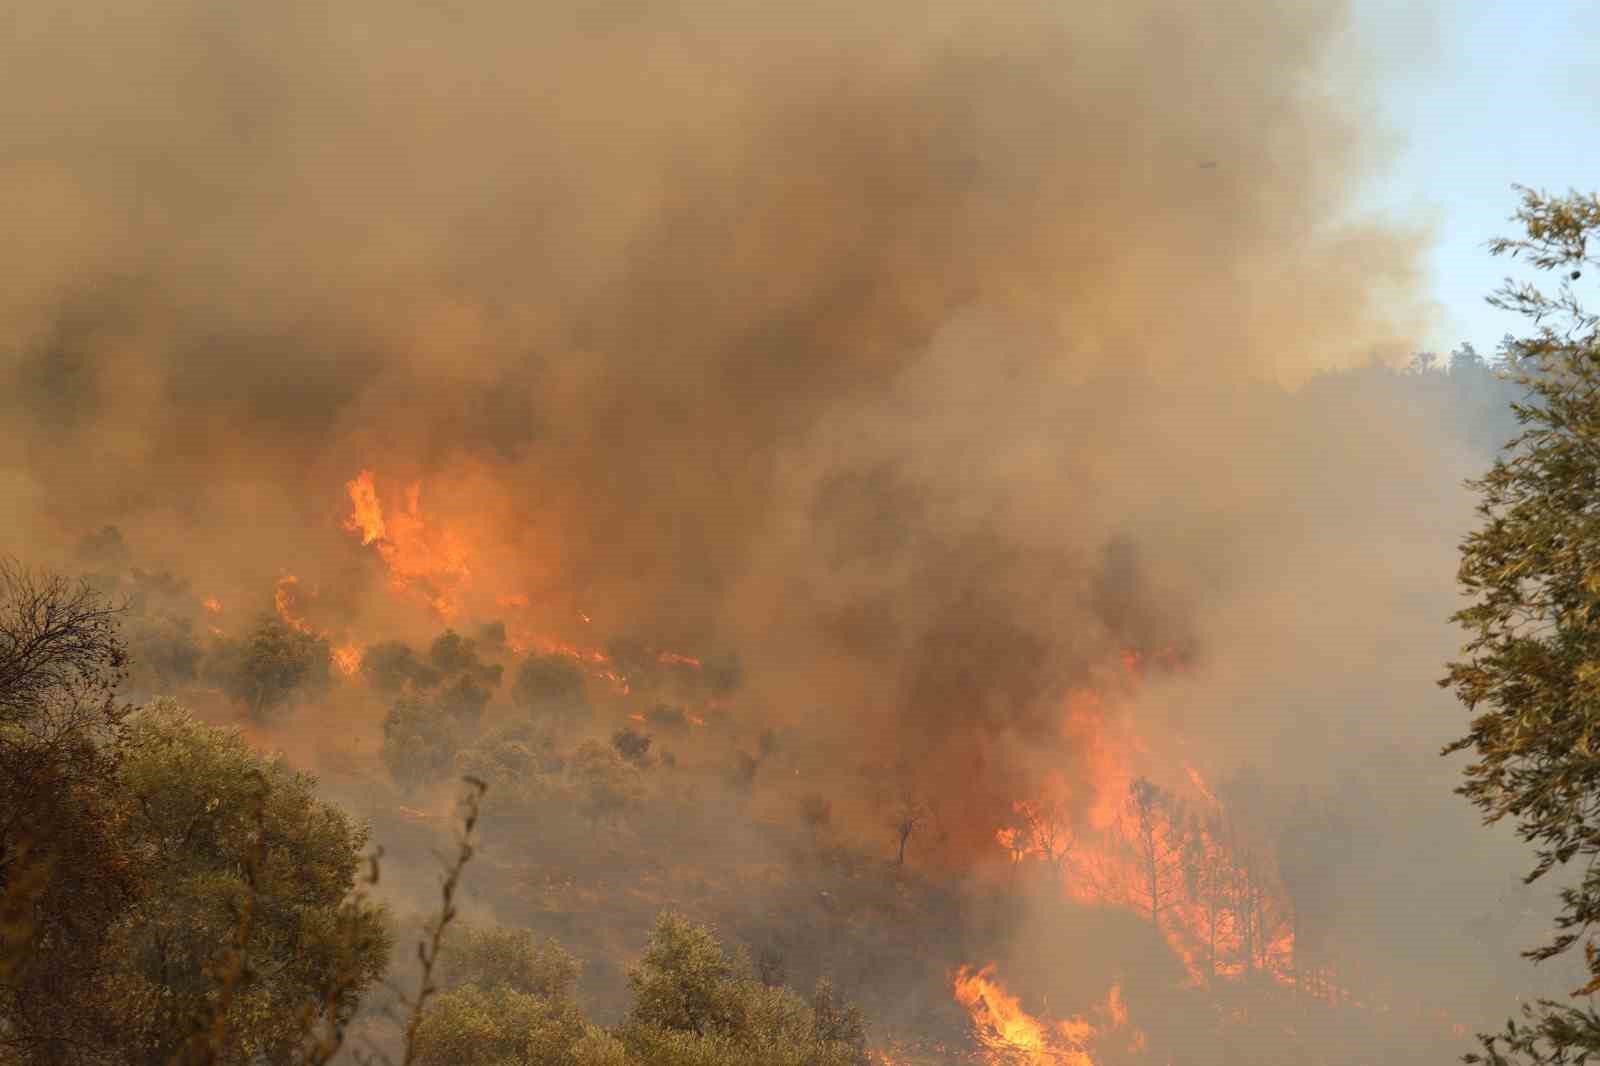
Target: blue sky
x,y
1509,93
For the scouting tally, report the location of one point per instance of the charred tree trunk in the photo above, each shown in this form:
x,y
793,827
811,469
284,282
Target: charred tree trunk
x,y
1211,941
1154,873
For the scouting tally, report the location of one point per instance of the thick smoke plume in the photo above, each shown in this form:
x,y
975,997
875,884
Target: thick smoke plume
x,y
930,357
910,352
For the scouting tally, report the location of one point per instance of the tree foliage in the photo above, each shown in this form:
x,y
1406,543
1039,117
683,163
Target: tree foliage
x,y
218,823
492,956
271,665
505,998
61,657
391,665
420,740
1530,670
67,870
514,761
454,655
606,784
632,745
166,893
550,686
498,1026
696,1003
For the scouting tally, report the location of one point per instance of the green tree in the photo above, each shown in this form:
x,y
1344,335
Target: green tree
x,y
493,956
506,999
1530,670
464,699
274,663
520,754
453,654
166,894
632,745
550,686
420,740
391,665
163,649
685,981
607,785
696,1003
463,681
228,831
497,1026
68,871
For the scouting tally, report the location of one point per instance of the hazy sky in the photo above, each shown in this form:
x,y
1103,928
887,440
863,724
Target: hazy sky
x,y
1507,95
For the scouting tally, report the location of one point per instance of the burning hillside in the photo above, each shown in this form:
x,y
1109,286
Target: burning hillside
x,y
1010,1035
846,471
1103,814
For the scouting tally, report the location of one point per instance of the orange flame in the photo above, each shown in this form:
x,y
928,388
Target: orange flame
x,y
212,605
347,658
1200,785
424,561
367,518
672,658
1114,839
1009,1034
286,598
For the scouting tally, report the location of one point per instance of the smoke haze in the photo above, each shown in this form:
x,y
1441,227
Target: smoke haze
x,y
920,354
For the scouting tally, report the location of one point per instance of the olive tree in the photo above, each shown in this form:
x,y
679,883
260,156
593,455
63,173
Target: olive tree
x,y
1530,669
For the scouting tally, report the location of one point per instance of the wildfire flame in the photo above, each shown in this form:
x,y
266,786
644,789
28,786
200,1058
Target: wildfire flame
x,y
672,658
1010,1035
346,658
1175,857
1199,784
367,518
286,598
212,605
423,560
